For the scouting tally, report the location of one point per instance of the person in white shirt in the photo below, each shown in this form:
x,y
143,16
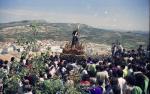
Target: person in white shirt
x,y
121,81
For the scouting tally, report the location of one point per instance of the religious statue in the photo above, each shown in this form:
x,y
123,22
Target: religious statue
x,y
74,48
75,39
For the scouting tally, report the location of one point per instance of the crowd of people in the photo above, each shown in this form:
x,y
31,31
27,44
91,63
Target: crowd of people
x,y
123,72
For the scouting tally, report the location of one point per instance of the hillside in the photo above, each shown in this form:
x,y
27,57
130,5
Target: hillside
x,y
63,31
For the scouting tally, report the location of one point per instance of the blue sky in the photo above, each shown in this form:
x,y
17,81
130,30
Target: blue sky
x,y
110,14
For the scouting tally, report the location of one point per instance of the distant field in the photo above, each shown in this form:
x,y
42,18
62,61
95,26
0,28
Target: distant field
x,y
63,31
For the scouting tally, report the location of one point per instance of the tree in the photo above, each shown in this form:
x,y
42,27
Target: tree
x,y
29,40
34,29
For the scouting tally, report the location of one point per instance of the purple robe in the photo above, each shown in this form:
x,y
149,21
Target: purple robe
x,y
96,90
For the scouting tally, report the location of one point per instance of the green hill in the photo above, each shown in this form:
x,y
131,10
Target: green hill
x,y
63,31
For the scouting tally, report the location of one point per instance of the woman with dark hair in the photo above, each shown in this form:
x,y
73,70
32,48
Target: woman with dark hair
x,y
85,80
131,86
113,88
85,83
142,81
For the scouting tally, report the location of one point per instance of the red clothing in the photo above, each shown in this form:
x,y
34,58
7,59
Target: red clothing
x,y
85,83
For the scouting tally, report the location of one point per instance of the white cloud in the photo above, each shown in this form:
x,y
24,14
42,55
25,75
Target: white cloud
x,y
96,14
106,12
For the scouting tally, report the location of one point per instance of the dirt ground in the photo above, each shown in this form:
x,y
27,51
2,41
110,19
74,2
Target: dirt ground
x,y
8,56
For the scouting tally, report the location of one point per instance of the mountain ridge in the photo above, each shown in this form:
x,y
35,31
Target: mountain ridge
x,y
63,31
27,22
